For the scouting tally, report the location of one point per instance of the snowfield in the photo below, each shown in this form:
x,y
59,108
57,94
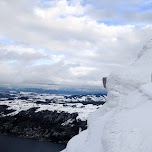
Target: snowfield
x,y
123,123
60,103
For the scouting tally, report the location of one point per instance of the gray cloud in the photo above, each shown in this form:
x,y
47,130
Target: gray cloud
x,y
65,44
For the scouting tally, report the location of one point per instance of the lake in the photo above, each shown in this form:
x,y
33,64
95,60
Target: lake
x,y
13,144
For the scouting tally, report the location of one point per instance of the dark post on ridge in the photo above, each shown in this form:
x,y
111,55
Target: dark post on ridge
x,y
104,80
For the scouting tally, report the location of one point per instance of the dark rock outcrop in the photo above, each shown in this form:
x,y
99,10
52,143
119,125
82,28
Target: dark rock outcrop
x,y
4,110
42,125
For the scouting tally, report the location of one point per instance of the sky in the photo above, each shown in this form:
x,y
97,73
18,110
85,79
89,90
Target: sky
x,y
70,42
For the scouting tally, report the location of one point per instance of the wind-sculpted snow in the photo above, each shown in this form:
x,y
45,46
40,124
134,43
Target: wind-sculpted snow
x,y
123,123
145,49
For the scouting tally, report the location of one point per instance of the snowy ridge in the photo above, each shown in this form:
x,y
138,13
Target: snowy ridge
x,y
123,124
24,101
19,105
145,49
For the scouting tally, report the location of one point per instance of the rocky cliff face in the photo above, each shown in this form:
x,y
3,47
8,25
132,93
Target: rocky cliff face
x,y
42,125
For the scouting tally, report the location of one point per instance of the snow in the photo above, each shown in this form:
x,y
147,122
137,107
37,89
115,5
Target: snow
x,y
123,124
22,105
18,105
22,101
64,98
83,113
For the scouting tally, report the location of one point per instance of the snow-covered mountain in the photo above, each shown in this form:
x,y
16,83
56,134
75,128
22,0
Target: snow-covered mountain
x,y
82,104
123,123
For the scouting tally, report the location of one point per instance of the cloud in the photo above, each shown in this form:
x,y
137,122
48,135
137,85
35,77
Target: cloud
x,y
65,42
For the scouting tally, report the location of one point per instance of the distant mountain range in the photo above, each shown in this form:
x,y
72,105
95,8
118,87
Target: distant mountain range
x,y
59,90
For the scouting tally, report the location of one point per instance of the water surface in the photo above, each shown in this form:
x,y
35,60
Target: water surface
x,y
13,144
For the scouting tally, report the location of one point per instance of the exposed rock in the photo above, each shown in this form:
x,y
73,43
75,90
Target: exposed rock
x,y
4,110
42,125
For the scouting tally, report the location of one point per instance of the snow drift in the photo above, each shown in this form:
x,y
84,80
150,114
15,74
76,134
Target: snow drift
x,y
124,123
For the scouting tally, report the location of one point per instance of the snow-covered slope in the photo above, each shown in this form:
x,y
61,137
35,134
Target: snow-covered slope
x,y
124,123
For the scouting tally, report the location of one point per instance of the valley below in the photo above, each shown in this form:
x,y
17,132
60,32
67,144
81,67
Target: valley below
x,y
46,117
